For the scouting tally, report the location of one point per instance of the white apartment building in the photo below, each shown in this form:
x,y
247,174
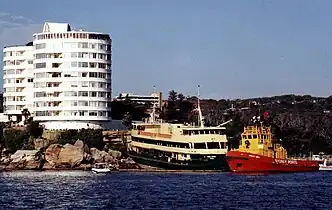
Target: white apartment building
x,y
155,98
70,83
18,79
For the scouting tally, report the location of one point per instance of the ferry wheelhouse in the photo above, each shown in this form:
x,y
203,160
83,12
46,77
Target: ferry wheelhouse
x,y
179,146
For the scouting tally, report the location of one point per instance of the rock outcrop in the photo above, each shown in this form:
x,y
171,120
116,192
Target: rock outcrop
x,y
100,156
114,153
56,156
52,154
70,155
27,159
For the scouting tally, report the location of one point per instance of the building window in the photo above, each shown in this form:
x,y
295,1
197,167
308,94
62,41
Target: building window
x,y
40,46
40,65
74,64
74,54
30,61
83,93
93,55
40,94
83,103
102,46
93,103
85,84
93,113
83,64
93,94
93,65
30,80
70,93
102,65
83,45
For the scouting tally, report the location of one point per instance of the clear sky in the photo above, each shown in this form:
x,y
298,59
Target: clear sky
x,y
232,48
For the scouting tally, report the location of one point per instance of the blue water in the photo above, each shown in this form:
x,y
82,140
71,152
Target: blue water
x,y
85,190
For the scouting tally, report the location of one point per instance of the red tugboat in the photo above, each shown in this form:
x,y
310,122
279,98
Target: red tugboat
x,y
258,154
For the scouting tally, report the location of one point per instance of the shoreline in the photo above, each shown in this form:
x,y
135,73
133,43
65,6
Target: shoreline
x,y
119,170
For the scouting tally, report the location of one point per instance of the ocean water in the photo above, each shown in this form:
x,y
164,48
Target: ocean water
x,y
124,190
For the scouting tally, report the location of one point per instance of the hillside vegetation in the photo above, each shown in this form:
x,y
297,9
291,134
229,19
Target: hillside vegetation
x,y
303,124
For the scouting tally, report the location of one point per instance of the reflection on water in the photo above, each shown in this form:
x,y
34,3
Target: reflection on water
x,y
188,190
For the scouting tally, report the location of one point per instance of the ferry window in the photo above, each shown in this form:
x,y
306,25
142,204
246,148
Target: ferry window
x,y
223,145
196,132
219,132
213,145
249,136
254,136
185,132
244,137
199,146
201,132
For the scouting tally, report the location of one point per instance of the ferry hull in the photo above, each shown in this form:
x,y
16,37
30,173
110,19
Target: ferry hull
x,y
243,162
218,164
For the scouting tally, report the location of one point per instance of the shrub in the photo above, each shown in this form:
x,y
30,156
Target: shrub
x,y
15,139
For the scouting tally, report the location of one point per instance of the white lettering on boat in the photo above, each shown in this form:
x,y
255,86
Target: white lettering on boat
x,y
254,156
286,161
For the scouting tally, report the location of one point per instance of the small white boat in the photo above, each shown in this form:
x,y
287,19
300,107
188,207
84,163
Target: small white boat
x,y
101,168
325,167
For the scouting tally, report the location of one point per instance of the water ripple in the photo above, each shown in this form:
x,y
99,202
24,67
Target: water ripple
x,y
85,190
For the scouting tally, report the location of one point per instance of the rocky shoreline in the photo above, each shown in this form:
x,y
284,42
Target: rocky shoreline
x,y
77,156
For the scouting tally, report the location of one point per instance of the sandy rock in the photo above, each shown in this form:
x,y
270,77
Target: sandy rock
x,y
24,159
87,157
70,155
5,160
28,155
80,144
114,153
48,166
96,155
52,154
100,156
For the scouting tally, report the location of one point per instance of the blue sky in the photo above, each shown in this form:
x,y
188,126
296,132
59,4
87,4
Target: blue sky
x,y
232,48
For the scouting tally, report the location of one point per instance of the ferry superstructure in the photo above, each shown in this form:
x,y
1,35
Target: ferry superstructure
x,y
179,146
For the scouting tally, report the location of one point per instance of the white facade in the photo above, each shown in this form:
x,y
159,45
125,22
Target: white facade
x,y
18,79
71,78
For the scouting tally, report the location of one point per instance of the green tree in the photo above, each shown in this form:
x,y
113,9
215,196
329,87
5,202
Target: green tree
x,y
34,129
91,137
68,137
15,139
127,120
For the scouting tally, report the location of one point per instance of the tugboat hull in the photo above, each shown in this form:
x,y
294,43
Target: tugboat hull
x,y
219,163
243,162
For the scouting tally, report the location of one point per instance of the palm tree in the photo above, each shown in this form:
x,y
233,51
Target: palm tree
x,y
26,114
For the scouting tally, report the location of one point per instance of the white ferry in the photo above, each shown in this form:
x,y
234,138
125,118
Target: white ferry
x,y
179,146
